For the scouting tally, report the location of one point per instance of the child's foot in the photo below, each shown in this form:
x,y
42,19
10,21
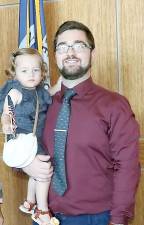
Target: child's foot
x,y
27,207
44,218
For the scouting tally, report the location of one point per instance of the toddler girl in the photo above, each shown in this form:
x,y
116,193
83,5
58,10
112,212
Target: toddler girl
x,y
25,83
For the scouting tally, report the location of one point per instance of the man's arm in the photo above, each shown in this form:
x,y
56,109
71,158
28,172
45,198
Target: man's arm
x,y
124,138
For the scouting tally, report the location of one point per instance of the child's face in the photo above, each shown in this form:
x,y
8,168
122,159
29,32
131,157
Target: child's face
x,y
28,70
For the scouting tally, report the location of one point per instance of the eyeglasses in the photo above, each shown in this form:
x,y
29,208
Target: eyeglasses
x,y
78,47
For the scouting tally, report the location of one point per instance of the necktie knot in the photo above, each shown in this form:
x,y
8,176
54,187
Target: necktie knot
x,y
68,95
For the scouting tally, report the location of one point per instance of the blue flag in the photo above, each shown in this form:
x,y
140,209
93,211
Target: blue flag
x,y
32,29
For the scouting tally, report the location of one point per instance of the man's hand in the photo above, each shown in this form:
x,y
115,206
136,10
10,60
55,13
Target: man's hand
x,y
40,168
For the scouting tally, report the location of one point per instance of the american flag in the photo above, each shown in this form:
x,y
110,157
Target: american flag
x,y
32,28
12,114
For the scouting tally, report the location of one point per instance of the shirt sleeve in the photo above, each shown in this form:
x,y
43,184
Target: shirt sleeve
x,y
124,138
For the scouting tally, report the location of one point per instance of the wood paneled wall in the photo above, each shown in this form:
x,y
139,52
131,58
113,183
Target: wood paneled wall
x,y
118,28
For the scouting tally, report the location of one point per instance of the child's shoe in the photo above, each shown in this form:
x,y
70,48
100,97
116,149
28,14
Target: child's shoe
x,y
44,218
27,207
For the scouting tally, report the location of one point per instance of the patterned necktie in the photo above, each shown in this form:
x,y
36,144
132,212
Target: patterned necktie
x,y
59,177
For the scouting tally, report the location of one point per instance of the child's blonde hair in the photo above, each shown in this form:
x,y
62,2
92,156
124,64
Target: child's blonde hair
x,y
10,72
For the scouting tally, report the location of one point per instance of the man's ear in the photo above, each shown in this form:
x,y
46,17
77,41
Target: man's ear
x,y
93,54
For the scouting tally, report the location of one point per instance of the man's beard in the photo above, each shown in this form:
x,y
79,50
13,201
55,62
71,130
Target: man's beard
x,y
75,74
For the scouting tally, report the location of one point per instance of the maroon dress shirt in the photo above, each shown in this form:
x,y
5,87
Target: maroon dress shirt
x,y
101,154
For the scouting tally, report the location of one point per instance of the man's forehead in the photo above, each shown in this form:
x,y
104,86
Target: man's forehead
x,y
72,36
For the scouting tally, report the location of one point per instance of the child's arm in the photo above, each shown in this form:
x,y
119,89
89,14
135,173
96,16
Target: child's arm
x,y
6,118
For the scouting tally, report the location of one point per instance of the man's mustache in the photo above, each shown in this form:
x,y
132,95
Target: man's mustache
x,y
71,57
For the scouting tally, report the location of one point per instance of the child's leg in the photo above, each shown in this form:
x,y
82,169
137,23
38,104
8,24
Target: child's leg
x,y
29,204
42,214
31,191
42,189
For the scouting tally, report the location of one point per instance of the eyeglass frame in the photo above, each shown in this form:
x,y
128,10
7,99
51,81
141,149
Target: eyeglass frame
x,y
86,46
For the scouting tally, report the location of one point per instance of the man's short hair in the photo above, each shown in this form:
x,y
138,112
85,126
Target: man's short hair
x,y
74,25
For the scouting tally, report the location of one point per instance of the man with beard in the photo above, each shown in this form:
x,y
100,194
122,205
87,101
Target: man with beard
x,y
101,152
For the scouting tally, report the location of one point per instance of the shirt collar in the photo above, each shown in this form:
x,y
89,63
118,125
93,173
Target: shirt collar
x,y
81,89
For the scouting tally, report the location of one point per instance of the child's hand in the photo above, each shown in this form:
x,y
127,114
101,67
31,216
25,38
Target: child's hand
x,y
8,127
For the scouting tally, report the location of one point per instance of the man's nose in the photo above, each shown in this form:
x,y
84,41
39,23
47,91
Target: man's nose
x,y
70,50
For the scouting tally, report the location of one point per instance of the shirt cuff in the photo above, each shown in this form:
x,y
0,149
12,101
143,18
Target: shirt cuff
x,y
115,220
117,223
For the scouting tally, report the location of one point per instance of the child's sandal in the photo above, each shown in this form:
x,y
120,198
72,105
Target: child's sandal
x,y
44,218
27,207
